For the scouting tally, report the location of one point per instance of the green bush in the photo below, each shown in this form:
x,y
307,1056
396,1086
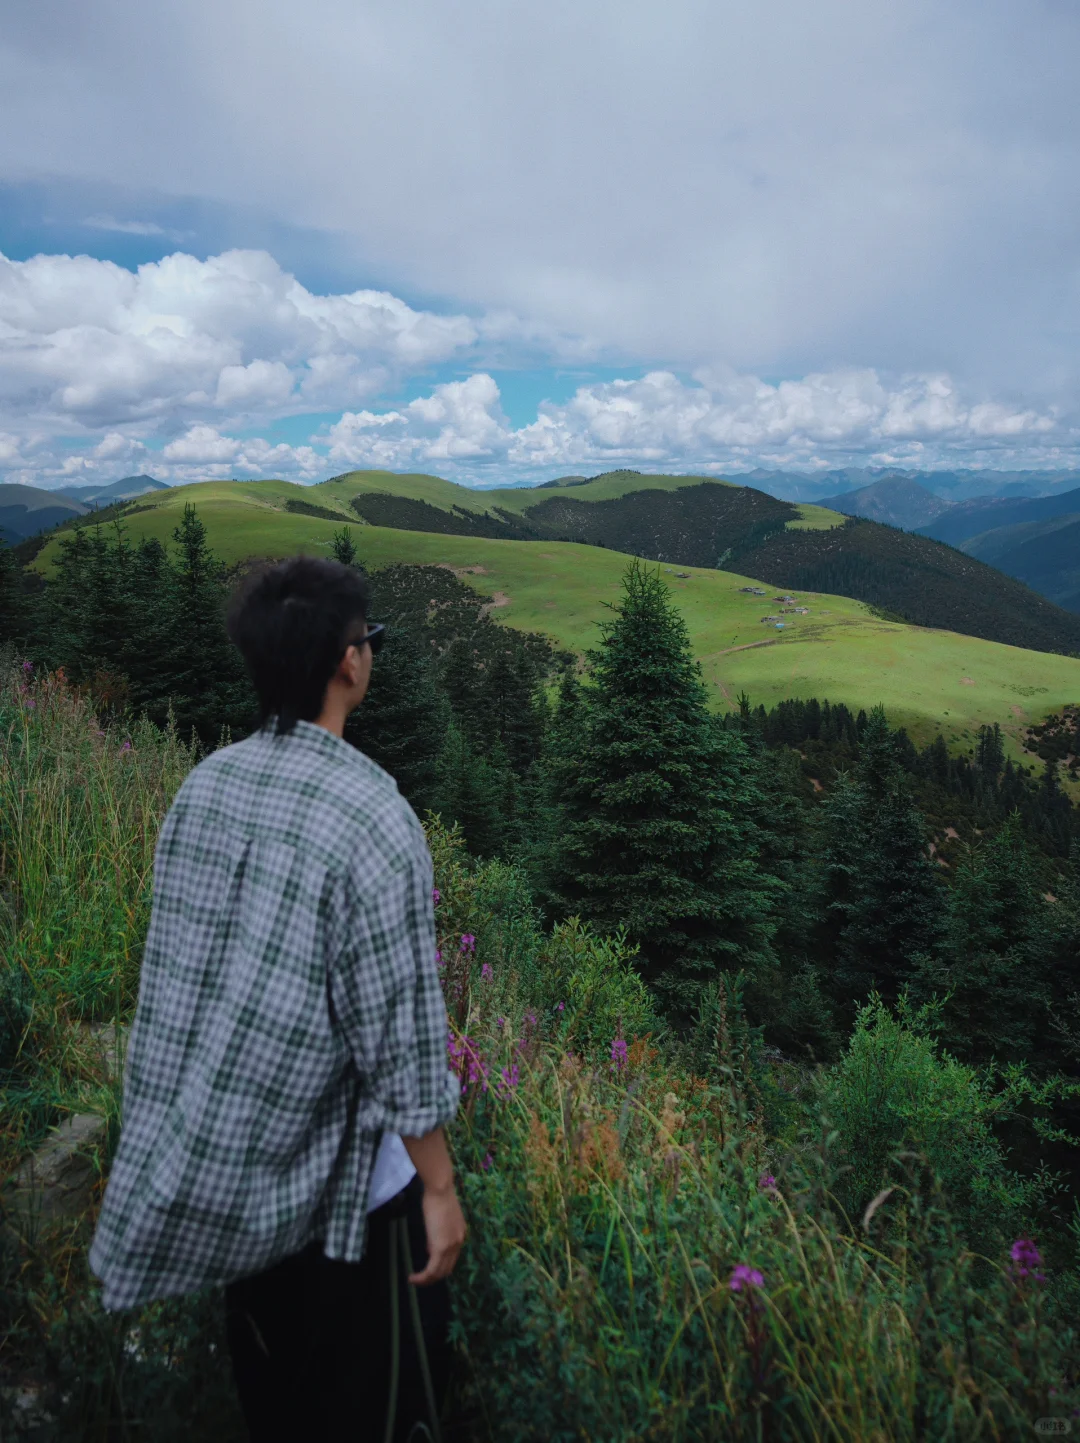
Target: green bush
x,y
896,1090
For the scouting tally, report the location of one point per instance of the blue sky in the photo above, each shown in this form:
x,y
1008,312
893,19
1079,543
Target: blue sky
x,y
505,242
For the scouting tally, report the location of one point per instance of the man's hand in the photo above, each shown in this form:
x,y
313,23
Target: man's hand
x,y
443,1218
445,1225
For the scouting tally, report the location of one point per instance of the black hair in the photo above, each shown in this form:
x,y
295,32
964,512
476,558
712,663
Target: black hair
x,y
292,623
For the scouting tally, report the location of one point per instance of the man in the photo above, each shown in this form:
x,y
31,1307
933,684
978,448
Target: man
x,y
286,1074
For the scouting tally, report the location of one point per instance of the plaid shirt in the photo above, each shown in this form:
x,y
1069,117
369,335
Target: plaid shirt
x,y
289,1012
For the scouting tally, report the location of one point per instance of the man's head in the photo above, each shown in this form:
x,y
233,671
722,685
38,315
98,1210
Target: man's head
x,y
297,624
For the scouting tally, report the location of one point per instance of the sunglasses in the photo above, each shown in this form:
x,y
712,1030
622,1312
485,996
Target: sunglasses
x,y
373,637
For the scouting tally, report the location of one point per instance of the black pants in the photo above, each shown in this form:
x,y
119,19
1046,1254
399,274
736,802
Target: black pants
x,y
312,1340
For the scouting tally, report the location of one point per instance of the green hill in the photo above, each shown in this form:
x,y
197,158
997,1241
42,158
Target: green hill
x,y
926,678
700,521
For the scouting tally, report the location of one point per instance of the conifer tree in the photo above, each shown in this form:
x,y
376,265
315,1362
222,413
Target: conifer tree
x,y
344,547
402,723
16,607
203,677
508,711
995,967
654,830
882,900
469,793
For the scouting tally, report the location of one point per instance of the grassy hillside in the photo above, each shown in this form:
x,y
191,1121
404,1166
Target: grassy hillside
x,y
839,650
698,521
922,581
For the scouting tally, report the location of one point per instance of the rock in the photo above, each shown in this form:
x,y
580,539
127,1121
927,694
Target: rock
x,y
56,1182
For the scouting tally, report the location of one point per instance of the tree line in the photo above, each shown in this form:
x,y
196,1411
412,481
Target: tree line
x,y
792,846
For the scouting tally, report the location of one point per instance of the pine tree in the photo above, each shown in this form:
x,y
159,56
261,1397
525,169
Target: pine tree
x,y
882,900
16,604
344,547
203,674
470,793
654,831
994,970
403,720
508,710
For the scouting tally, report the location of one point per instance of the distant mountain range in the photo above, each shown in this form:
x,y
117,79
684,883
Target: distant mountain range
x,y
26,510
895,500
29,510
1035,539
953,486
124,490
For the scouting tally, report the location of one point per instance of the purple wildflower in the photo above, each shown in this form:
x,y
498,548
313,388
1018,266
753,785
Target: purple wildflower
x,y
486,974
560,1006
618,1053
28,667
500,1022
468,943
30,703
745,1277
488,1160
436,896
126,747
1027,1258
530,1019
466,1062
508,1080
766,1181
438,957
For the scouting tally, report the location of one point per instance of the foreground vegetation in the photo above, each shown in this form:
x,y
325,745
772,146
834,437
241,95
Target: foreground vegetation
x,y
673,1237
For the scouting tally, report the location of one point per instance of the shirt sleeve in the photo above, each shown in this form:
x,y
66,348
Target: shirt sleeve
x,y
385,991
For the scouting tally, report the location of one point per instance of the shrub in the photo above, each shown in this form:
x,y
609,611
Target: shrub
x,y
895,1089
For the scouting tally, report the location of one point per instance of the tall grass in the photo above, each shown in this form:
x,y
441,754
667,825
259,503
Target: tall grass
x,y
645,1262
650,1256
80,806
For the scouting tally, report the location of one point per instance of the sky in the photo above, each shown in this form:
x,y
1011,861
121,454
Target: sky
x,y
509,242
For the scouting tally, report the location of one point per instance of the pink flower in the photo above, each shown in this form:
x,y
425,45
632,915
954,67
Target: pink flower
x,y
436,896
745,1277
1026,1257
618,1054
486,973
28,667
508,1080
488,1160
466,1062
766,1181
438,957
560,1006
468,944
126,747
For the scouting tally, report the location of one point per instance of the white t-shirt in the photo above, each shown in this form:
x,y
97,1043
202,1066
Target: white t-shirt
x,y
393,1170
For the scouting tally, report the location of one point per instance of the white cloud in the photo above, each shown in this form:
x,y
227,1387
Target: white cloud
x,y
88,344
129,227
732,422
786,187
204,454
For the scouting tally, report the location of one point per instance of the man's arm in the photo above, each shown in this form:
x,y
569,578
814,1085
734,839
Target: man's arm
x,y
443,1218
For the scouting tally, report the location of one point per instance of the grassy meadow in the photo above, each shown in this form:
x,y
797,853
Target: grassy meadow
x,y
658,1244
927,680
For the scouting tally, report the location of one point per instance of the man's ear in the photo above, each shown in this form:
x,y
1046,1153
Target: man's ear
x,y
349,667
